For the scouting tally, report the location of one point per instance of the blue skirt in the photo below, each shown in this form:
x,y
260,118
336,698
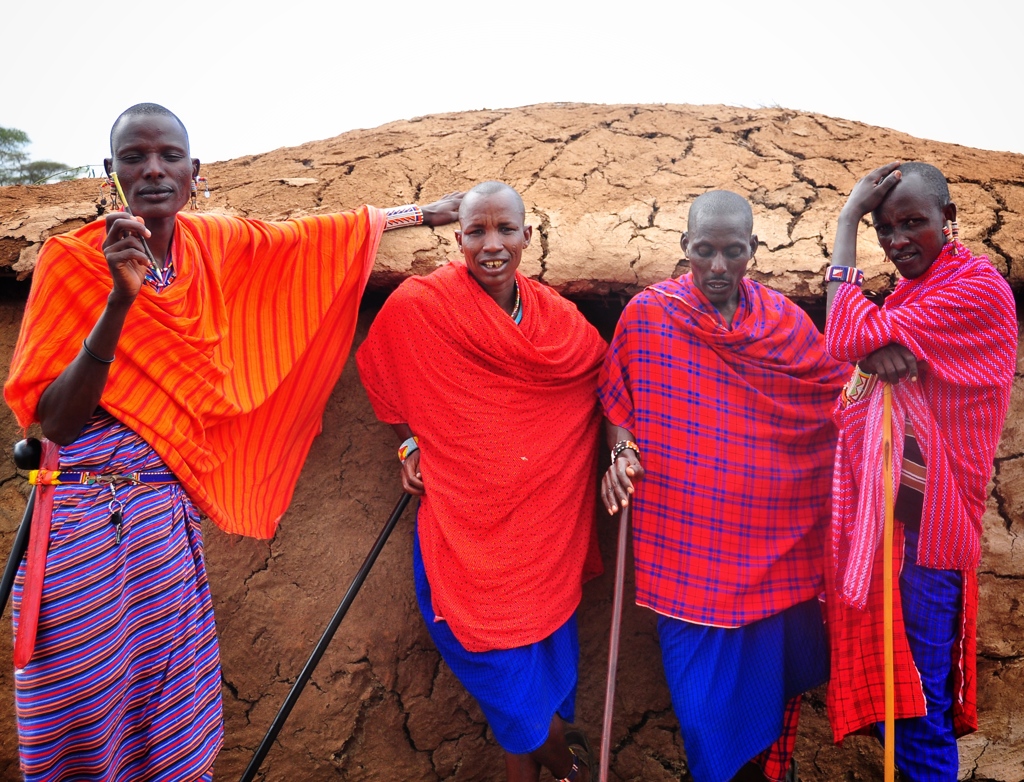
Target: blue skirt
x,y
519,690
730,686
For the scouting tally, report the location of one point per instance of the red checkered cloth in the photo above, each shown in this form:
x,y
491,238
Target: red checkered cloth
x,y
736,438
856,689
959,321
776,760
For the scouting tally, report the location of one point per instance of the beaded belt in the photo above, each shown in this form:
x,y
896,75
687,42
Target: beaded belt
x,y
65,477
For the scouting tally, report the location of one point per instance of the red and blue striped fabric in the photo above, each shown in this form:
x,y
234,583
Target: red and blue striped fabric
x,y
125,680
737,441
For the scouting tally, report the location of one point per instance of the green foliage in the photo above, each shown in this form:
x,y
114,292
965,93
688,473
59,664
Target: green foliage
x,y
17,169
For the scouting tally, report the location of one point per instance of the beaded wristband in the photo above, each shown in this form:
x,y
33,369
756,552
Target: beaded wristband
x,y
407,447
860,386
94,356
623,445
848,274
401,216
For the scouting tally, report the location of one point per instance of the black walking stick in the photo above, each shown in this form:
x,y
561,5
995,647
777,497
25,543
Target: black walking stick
x,y
27,455
325,641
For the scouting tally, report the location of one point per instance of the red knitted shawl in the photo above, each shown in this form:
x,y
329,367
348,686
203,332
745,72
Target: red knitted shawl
x,y
959,321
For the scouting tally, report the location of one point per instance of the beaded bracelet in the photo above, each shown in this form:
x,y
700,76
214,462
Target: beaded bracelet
x,y
848,274
401,216
407,447
860,386
94,356
623,445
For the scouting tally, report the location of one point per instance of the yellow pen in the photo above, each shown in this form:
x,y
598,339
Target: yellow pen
x,y
128,209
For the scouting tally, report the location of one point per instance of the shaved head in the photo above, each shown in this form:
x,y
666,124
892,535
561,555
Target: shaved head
x,y
935,183
491,188
145,110
719,203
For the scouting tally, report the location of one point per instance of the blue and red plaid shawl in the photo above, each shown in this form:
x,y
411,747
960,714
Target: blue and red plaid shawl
x,y
737,442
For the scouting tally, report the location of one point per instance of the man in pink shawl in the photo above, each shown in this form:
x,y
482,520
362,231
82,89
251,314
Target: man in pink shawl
x,y
946,339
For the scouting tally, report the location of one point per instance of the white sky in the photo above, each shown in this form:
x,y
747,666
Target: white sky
x,y
251,77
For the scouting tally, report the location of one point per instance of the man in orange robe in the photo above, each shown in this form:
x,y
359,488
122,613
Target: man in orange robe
x,y
182,363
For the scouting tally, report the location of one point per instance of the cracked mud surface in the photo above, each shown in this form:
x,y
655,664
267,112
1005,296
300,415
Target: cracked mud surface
x,y
608,188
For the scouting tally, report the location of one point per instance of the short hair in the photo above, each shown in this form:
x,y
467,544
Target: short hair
x,y
493,187
714,203
934,180
145,110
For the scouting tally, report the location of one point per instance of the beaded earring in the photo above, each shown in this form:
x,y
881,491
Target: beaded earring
x,y
947,233
956,231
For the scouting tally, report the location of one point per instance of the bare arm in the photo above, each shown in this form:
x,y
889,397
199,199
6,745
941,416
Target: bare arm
x,y
867,194
894,361
70,400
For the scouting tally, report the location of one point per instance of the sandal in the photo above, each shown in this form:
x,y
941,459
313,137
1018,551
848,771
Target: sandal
x,y
582,754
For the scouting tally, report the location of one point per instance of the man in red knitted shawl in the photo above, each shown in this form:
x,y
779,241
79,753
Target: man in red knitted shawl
x,y
717,392
489,378
946,339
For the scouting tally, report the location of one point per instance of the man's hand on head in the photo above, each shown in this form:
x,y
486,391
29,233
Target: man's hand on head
x,y
870,191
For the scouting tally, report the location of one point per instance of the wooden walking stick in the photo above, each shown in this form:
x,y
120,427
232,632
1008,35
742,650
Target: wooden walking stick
x,y
325,640
613,644
887,609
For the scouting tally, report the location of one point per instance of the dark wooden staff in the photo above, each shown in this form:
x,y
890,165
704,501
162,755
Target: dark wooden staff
x,y
325,640
613,644
27,455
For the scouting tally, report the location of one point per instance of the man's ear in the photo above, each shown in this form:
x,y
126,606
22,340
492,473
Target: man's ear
x,y
527,233
949,212
753,245
108,165
458,239
684,240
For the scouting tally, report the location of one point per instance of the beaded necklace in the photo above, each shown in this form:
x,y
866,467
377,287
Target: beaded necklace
x,y
517,313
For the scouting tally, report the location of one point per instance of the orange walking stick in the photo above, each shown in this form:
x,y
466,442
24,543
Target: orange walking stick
x,y
613,644
887,534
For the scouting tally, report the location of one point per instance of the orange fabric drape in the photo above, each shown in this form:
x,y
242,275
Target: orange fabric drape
x,y
226,371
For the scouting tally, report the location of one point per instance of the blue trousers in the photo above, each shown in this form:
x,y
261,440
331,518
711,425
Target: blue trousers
x,y
926,748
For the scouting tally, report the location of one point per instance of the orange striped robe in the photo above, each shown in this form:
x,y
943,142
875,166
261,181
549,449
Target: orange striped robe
x,y
226,371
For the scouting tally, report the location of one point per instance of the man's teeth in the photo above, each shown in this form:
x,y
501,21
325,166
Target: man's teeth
x,y
492,264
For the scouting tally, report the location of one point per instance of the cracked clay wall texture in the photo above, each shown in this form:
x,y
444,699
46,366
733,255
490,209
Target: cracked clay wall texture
x,y
607,188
